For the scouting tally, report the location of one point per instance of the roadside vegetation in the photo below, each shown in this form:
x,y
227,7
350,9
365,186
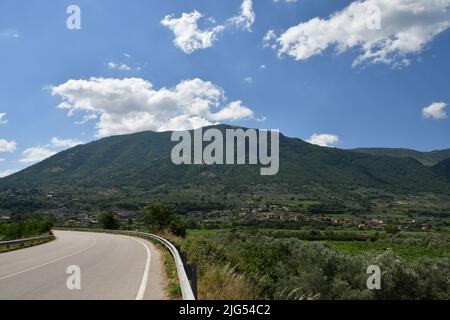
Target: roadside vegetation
x,y
317,256
173,289
243,264
161,219
26,228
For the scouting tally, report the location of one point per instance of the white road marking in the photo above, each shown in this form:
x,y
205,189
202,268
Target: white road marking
x,y
143,286
47,263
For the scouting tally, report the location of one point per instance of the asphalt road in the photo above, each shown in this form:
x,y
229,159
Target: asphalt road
x,y
112,267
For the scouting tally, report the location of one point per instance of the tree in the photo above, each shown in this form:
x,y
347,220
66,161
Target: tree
x,y
109,221
157,217
178,227
160,218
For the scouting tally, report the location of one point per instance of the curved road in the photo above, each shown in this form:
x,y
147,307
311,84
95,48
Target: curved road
x,y
113,267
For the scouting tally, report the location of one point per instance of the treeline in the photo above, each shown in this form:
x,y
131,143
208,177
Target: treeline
x,y
242,266
25,228
155,218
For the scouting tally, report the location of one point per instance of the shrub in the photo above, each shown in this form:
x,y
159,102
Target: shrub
x,y
160,218
109,221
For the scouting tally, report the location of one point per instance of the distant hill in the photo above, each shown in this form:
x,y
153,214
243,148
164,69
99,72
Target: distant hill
x,y
443,168
426,158
141,161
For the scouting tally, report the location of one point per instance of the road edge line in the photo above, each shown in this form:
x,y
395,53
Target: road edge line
x,y
143,287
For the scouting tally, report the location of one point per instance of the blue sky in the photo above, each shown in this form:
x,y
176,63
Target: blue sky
x,y
127,72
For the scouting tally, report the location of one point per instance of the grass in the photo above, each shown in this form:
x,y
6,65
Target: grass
x,y
408,252
223,283
204,232
173,289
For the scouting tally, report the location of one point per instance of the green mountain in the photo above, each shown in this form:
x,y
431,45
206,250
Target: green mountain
x,y
426,158
443,168
141,161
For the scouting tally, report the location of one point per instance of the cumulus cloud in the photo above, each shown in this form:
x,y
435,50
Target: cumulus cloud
x,y
39,153
407,26
7,146
233,111
6,173
132,104
188,36
86,118
435,111
324,140
246,18
65,143
36,154
2,118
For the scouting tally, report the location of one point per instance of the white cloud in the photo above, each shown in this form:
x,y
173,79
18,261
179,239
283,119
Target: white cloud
x,y
7,146
324,140
1,159
9,33
246,17
435,111
407,26
2,120
188,36
268,39
6,173
263,66
132,104
121,67
118,66
248,80
233,111
36,154
65,143
286,1
87,118
39,153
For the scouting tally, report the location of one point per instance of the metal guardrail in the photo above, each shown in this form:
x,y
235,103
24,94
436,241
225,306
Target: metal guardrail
x,y
25,241
186,289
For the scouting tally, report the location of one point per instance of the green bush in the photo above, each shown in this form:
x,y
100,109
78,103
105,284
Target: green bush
x,y
109,221
161,218
25,228
289,268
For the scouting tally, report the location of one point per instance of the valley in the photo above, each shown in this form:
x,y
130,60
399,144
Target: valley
x,y
337,209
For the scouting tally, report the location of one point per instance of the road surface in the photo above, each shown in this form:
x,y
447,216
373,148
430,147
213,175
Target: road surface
x,y
112,267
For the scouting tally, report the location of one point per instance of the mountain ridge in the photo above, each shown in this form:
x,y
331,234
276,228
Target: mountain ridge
x,y
429,158
142,160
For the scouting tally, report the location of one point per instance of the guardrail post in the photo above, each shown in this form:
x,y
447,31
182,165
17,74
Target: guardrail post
x,y
193,278
191,271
